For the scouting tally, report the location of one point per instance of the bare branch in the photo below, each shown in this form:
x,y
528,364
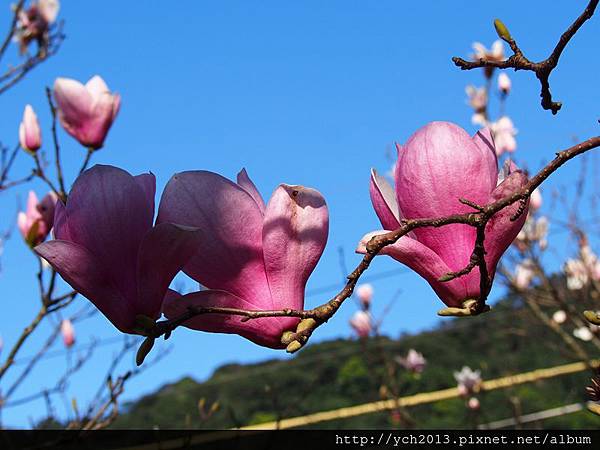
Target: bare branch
x,y
542,69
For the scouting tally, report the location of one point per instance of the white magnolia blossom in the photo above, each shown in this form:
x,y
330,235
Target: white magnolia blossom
x,y
477,99
534,230
496,53
504,135
524,274
580,271
467,379
583,333
504,83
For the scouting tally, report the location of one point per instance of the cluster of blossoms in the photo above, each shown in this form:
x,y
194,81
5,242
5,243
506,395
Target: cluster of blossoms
x,y
34,22
503,128
582,270
248,253
469,384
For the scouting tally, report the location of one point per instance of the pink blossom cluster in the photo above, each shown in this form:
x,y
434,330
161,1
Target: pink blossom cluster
x,y
250,254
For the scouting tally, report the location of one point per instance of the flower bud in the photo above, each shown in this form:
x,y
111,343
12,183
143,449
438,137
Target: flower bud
x,y
30,135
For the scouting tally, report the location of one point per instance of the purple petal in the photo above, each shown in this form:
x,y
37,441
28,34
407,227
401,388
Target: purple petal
x,y
87,275
438,165
266,331
500,231
147,182
294,236
246,183
230,253
384,201
61,224
108,214
164,251
426,263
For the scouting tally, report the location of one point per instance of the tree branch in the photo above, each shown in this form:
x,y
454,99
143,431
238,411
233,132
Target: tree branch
x,y
313,318
542,69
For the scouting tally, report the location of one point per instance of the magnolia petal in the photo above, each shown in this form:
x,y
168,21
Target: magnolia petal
x,y
484,140
61,223
87,275
230,254
96,87
246,183
384,201
500,231
108,214
74,103
295,232
266,331
147,182
426,263
164,251
431,175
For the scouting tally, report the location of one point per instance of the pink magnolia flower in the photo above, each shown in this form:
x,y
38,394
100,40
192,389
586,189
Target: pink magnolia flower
x,y
86,112
361,323
504,135
36,222
414,361
504,83
439,165
107,249
252,256
68,332
30,135
365,294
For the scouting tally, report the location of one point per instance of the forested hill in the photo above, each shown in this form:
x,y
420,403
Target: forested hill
x,y
333,374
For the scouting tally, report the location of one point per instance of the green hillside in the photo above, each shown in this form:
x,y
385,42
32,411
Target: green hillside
x,y
340,373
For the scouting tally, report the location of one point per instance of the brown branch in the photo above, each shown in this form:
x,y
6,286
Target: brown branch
x,y
11,30
313,318
542,69
24,335
15,74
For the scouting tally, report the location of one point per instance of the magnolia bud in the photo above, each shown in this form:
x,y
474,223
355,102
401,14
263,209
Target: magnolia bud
x,y
502,31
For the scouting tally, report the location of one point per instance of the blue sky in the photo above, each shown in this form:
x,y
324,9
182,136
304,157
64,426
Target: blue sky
x,y
311,93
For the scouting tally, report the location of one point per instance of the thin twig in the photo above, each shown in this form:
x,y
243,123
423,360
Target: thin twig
x,y
542,69
59,173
